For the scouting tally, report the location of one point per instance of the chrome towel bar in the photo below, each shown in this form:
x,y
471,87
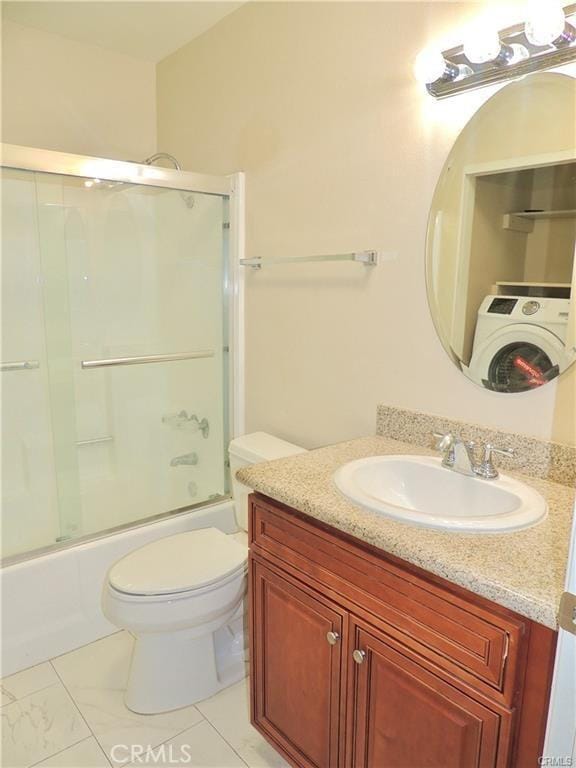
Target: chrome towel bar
x,y
20,365
144,359
368,258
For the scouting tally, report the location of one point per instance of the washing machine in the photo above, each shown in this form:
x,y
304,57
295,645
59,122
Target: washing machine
x,y
519,342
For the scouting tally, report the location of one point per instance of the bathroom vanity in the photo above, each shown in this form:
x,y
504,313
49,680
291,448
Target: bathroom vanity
x,y
385,645
353,650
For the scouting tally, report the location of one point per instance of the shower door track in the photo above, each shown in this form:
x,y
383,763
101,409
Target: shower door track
x,y
23,557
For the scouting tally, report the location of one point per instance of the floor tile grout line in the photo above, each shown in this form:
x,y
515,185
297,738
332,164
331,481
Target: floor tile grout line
x,y
4,678
49,757
211,724
75,703
59,681
204,720
30,693
175,736
80,647
224,737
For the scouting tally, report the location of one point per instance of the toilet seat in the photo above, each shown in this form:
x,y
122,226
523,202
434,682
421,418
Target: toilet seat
x,y
194,561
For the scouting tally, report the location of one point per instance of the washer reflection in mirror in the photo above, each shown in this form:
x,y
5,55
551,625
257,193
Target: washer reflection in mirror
x,y
500,254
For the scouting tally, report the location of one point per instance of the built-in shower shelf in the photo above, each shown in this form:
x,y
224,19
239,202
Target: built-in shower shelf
x,y
367,258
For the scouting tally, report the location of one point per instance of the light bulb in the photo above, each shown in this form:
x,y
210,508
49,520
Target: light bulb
x,y
482,45
546,25
429,66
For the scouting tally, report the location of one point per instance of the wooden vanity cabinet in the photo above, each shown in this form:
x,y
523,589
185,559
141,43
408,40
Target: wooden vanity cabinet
x,y
359,660
297,671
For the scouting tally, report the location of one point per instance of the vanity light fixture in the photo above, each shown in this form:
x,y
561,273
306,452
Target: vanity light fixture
x,y
431,66
547,25
484,46
488,56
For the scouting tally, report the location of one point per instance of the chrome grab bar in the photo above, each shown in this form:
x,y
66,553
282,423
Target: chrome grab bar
x,y
95,440
147,359
20,365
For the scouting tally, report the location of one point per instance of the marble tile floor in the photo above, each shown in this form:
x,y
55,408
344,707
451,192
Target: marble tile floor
x,y
70,713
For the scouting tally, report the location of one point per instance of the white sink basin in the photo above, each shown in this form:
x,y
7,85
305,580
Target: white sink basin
x,y
419,490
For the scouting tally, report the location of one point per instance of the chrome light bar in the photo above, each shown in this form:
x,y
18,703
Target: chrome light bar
x,y
537,57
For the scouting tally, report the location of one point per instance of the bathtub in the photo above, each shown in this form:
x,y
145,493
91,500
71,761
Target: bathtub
x,y
51,603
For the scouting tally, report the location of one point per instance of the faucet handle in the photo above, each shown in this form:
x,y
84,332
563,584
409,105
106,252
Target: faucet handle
x,y
443,441
486,467
489,448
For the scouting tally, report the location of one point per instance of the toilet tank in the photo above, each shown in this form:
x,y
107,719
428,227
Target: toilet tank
x,y
251,449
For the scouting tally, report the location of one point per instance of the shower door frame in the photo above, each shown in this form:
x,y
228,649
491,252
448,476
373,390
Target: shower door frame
x,y
231,187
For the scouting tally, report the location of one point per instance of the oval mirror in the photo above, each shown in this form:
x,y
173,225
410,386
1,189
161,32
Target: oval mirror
x,y
500,250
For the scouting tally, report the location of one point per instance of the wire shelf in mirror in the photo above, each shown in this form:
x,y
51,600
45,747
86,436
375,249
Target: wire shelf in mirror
x,y
566,214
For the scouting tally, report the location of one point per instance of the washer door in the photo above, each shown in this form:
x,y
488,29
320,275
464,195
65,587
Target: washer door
x,y
517,359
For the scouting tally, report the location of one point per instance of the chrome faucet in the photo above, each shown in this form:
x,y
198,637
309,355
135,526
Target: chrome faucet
x,y
458,455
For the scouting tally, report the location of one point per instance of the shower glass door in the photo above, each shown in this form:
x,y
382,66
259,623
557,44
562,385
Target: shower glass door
x,y
114,363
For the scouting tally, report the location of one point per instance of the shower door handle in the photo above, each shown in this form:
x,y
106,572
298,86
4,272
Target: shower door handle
x,y
20,365
144,359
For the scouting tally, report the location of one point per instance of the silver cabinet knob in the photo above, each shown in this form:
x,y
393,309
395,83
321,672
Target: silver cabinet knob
x,y
358,656
332,637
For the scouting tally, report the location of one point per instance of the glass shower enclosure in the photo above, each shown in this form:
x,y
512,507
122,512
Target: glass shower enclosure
x,y
118,357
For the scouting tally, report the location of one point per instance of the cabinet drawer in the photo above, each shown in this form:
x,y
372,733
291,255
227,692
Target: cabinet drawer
x,y
444,624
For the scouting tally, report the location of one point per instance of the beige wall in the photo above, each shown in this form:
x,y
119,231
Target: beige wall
x,y
342,150
73,97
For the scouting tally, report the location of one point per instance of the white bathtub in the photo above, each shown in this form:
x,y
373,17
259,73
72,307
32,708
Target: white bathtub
x,y
51,604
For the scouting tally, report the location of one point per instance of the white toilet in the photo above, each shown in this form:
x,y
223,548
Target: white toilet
x,y
179,596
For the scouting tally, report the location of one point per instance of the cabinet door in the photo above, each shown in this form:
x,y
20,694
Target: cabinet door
x,y
295,668
404,716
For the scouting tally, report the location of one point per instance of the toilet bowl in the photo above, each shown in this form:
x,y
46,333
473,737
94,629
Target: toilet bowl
x,y
182,598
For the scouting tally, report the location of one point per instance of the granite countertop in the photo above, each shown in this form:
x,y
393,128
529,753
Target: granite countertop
x,y
523,571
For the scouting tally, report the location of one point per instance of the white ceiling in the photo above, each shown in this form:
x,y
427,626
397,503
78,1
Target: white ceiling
x,y
149,30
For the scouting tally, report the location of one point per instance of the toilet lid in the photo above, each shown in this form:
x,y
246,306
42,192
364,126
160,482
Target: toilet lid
x,y
179,563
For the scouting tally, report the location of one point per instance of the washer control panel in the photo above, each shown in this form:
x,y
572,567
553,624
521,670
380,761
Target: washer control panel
x,y
502,305
526,309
